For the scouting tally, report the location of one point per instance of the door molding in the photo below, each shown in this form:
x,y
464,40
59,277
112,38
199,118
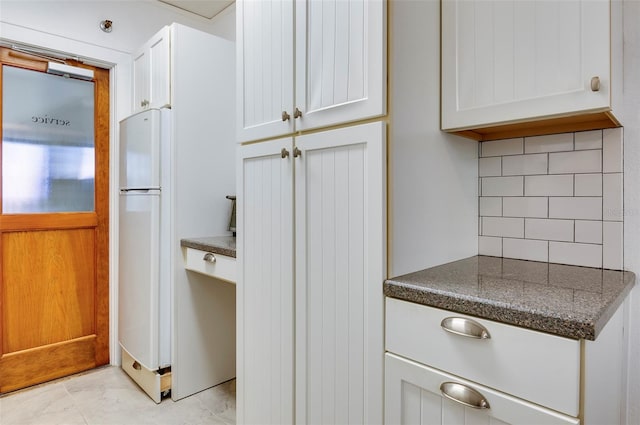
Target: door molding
x,y
118,63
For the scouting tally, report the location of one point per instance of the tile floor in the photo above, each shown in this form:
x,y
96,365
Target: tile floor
x,y
107,396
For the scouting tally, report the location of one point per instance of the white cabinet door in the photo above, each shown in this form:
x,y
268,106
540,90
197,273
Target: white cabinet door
x,y
340,61
264,74
152,73
413,396
506,61
265,322
340,205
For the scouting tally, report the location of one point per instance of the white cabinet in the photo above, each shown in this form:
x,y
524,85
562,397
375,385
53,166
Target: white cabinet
x,y
525,376
310,319
339,74
152,73
512,68
211,264
414,396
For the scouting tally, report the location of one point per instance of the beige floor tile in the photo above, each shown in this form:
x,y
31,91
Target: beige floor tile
x,y
42,405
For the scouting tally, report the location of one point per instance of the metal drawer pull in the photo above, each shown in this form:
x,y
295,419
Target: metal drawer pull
x,y
465,327
595,83
209,257
464,395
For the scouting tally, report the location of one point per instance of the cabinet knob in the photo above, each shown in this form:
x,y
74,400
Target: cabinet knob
x,y
465,327
285,116
464,395
284,153
209,257
297,113
296,152
144,103
595,83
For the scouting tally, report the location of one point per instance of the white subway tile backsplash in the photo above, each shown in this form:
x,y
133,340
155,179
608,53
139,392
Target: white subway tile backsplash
x,y
502,226
612,197
548,229
556,198
558,185
488,245
585,208
575,162
588,140
588,184
519,165
576,254
550,143
491,206
525,206
502,147
525,249
588,231
612,150
612,245
502,186
489,167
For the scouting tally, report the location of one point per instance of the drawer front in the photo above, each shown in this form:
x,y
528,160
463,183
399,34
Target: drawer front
x,y
542,368
218,266
415,394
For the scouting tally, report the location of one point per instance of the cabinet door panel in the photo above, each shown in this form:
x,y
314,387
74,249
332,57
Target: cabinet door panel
x,y
340,61
412,396
340,267
265,284
264,40
508,60
140,80
160,70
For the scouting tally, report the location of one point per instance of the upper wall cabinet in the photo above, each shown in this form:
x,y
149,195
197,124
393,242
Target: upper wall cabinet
x,y
308,64
513,68
152,73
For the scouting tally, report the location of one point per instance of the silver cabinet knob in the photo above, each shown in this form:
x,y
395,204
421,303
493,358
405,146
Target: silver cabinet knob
x,y
297,113
595,83
209,257
296,152
144,103
464,395
465,327
285,116
284,153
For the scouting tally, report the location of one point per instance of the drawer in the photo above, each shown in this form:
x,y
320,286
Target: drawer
x,y
535,366
152,382
218,266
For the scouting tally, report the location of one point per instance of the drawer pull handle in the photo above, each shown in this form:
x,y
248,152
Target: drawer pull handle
x,y
465,327
464,395
209,258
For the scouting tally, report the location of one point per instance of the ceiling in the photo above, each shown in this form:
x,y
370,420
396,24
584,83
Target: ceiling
x,y
205,8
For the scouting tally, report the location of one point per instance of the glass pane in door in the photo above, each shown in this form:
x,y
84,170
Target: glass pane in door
x,y
48,155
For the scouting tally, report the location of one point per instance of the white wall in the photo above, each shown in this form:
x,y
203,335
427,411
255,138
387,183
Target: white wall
x,y
632,193
73,27
433,176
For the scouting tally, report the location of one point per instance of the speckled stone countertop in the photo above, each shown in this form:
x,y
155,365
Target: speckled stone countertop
x,y
569,301
223,245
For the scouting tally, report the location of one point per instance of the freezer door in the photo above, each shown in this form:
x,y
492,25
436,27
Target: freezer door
x,y
140,150
139,276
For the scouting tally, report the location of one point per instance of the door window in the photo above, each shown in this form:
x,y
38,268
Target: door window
x,y
48,155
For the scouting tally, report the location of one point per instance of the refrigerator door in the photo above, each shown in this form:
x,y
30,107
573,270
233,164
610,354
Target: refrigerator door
x,y
139,276
140,150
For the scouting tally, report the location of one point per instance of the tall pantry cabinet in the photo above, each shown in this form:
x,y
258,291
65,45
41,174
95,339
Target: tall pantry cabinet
x,y
311,212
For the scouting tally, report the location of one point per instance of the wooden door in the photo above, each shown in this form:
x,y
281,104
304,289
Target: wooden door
x,y
340,204
264,43
54,283
265,346
341,61
413,396
509,61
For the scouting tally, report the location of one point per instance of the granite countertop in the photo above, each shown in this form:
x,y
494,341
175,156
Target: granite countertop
x,y
223,245
569,301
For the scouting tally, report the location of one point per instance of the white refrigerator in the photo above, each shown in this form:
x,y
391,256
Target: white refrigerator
x,y
144,293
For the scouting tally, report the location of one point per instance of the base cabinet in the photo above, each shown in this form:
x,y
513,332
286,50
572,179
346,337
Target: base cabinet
x,y
311,256
414,396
